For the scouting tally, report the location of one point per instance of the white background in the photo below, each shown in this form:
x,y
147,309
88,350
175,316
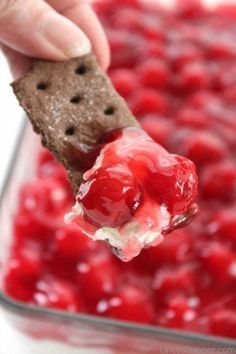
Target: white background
x,y
10,118
10,122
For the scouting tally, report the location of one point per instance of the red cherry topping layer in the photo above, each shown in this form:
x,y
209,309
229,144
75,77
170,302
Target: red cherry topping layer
x,y
133,192
110,196
176,69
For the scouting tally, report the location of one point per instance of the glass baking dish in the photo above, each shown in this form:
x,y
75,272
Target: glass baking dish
x,y
40,329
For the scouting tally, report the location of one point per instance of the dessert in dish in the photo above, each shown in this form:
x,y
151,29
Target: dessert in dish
x,y
134,193
187,282
75,109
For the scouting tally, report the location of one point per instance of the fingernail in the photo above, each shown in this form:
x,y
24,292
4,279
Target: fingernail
x,y
65,36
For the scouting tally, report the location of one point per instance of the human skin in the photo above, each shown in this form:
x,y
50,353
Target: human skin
x,y
53,30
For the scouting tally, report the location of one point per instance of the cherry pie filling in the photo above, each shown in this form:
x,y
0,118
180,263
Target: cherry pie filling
x,y
134,193
176,69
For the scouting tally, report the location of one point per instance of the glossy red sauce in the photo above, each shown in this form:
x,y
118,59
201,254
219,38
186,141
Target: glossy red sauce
x,y
137,190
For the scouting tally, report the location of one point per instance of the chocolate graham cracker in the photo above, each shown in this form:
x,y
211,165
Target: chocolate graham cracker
x,y
71,105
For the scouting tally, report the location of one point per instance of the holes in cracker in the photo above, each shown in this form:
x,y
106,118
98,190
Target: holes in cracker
x,y
70,131
109,111
76,99
81,69
42,85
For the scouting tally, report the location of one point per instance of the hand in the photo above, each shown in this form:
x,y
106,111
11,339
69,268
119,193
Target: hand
x,y
53,30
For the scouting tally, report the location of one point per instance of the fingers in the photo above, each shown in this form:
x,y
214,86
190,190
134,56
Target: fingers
x,y
18,63
33,28
81,13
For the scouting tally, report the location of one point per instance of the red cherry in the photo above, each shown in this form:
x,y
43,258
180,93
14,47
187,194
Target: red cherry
x,y
224,77
224,225
182,54
192,118
42,205
123,47
174,184
230,94
44,196
52,169
194,76
125,81
215,178
56,293
201,147
152,31
104,8
175,248
27,264
149,101
223,323
172,279
189,9
71,243
44,157
221,263
97,275
152,49
127,18
129,303
16,287
158,128
179,311
112,186
32,226
218,50
58,265
21,273
154,73
129,3
203,100
48,167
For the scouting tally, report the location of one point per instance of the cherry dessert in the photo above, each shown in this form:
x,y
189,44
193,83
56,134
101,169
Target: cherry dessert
x,y
132,194
176,69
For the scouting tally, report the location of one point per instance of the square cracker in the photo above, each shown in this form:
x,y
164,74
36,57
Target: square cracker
x,y
71,103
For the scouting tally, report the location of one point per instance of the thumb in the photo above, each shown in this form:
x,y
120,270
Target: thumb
x,y
33,28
